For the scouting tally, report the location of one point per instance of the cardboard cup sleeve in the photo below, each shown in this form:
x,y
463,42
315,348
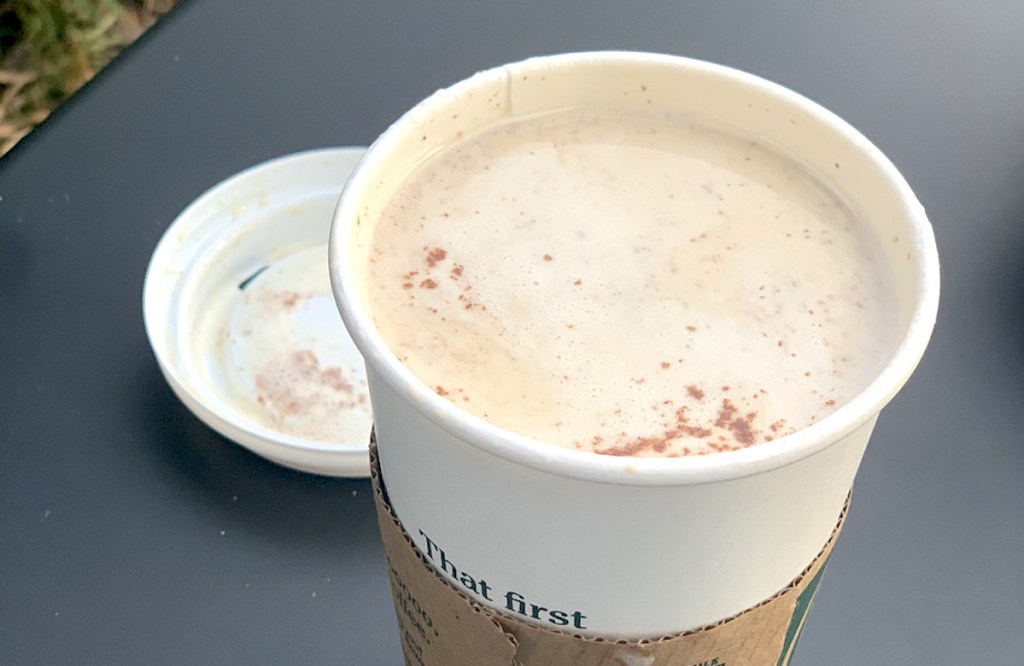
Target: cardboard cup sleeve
x,y
439,626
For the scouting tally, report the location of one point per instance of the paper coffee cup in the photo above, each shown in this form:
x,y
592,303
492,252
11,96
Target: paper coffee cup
x,y
612,546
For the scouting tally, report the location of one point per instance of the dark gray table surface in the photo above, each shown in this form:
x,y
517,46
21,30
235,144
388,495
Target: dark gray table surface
x,y
131,533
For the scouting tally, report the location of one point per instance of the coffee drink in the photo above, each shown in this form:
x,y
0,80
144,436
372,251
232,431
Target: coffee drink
x,y
638,285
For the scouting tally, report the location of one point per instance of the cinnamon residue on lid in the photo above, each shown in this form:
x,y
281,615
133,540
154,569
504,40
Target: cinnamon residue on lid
x,y
435,255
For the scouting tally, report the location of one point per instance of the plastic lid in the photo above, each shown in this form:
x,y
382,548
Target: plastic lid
x,y
239,311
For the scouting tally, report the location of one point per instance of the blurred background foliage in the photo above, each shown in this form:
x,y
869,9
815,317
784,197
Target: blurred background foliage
x,y
50,48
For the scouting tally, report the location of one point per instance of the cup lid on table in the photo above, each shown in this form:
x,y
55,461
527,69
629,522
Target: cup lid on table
x,y
239,310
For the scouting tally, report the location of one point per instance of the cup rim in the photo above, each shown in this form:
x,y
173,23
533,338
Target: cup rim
x,y
624,470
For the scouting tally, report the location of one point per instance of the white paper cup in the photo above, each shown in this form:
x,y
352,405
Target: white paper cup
x,y
624,547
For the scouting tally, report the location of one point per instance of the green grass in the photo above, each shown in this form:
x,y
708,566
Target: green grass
x,y
50,48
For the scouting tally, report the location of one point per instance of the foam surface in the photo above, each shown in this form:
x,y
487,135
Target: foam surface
x,y
630,286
